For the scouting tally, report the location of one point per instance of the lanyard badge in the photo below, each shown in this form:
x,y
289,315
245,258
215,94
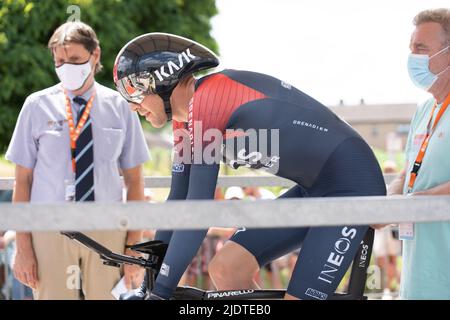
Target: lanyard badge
x,y
423,148
406,231
74,133
69,187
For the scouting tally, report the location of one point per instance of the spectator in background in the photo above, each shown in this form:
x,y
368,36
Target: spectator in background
x,y
387,248
234,193
426,246
293,256
269,275
10,287
4,283
258,193
149,234
57,163
149,196
17,290
389,167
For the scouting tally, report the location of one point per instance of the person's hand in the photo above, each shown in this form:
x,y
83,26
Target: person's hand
x,y
381,226
25,267
378,226
133,274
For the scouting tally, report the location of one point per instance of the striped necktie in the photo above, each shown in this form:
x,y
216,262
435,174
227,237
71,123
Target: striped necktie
x,y
84,158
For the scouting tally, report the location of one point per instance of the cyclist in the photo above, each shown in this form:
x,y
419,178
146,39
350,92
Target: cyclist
x,y
297,138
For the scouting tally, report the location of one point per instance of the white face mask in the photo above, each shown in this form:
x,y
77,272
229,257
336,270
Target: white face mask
x,y
73,76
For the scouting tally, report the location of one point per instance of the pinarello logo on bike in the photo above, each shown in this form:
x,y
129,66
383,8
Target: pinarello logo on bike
x,y
228,293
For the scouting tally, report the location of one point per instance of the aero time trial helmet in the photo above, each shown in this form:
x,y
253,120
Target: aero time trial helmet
x,y
154,63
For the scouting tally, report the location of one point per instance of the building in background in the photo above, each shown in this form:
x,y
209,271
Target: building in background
x,y
384,126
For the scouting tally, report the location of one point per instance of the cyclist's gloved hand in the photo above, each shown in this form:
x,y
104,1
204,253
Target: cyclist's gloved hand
x,y
136,294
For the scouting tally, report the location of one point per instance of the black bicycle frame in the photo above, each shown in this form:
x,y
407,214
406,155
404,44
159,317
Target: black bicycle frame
x,y
156,250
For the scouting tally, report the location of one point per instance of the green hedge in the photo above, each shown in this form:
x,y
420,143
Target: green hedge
x,y
26,65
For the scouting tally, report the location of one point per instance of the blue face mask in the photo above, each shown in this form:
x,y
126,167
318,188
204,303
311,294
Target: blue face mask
x,y
419,69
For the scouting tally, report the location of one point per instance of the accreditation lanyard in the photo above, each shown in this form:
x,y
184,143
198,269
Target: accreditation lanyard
x,y
430,130
74,133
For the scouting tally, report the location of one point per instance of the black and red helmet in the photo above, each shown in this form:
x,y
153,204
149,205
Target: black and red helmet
x,y
154,63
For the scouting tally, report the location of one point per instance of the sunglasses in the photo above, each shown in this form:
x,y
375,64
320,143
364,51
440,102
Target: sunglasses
x,y
135,87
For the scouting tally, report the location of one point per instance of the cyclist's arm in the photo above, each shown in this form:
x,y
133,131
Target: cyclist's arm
x,y
203,180
180,174
180,182
184,244
178,191
180,167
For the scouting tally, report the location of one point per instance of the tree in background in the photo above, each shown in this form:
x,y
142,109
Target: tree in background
x,y
25,27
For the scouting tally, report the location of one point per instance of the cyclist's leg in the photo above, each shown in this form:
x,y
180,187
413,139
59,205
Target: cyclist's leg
x,y
235,265
326,255
327,252
163,235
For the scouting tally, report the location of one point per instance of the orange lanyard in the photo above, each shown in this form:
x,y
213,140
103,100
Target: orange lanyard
x,y
74,133
423,148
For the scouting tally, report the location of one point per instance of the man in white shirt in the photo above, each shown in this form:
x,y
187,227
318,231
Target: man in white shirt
x,y
72,142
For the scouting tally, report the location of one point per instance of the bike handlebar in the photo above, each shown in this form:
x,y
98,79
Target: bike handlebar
x,y
110,258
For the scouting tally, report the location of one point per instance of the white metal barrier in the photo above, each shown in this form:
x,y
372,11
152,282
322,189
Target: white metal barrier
x,y
224,181
204,214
